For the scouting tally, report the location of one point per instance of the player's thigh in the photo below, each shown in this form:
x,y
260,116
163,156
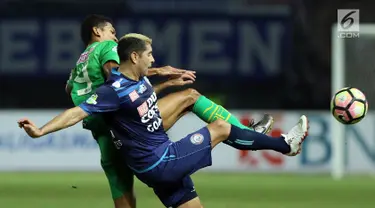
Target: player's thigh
x,y
173,106
189,154
178,194
181,159
120,177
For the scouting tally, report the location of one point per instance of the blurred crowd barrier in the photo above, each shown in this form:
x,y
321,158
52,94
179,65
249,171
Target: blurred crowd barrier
x,y
59,151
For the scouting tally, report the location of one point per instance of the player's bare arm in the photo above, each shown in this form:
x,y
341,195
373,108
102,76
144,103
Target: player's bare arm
x,y
64,120
161,71
168,71
176,80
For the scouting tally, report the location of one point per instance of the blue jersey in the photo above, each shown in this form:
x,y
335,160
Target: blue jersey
x,y
131,111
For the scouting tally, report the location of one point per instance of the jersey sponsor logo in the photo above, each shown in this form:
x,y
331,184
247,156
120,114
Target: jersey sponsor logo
x,y
197,138
133,96
151,117
92,99
84,56
151,100
142,89
155,125
142,109
114,49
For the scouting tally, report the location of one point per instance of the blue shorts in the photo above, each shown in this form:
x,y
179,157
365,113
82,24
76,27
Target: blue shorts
x,y
171,178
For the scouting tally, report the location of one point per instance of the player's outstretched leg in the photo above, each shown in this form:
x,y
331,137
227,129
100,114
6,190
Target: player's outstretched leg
x,y
243,139
170,179
173,106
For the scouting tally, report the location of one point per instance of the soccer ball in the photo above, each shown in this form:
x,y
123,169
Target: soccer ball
x,y
349,105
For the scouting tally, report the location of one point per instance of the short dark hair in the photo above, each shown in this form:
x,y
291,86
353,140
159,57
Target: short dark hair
x,y
89,22
132,43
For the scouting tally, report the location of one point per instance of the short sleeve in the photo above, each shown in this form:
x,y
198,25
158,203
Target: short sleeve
x,y
104,100
109,53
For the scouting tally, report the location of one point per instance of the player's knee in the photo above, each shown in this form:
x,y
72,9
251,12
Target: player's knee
x,y
219,131
221,126
192,96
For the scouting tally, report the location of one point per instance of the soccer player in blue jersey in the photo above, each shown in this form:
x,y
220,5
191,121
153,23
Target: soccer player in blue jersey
x,y
128,103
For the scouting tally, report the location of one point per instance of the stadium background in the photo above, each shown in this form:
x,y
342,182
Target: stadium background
x,y
251,56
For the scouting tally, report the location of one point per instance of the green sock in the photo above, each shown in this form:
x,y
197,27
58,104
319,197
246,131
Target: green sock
x,y
209,111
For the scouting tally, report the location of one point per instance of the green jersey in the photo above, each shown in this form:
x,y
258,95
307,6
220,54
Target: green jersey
x,y
88,73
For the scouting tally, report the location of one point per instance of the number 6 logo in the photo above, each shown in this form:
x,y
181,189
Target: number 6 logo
x,y
347,18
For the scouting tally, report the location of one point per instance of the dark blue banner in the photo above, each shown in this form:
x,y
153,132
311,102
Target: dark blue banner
x,y
253,46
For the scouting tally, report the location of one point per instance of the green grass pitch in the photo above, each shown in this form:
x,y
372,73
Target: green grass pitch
x,y
217,190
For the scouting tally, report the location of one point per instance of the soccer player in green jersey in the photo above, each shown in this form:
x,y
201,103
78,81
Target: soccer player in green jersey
x,y
91,70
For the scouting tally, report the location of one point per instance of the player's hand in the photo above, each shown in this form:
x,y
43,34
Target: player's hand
x,y
180,80
30,128
171,71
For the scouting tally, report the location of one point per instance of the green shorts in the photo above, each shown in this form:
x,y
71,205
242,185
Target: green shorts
x,y
120,177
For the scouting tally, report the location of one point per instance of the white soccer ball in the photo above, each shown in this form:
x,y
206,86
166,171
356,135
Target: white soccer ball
x,y
349,105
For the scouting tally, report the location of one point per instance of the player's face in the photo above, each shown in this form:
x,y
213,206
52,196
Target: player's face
x,y
108,32
146,60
